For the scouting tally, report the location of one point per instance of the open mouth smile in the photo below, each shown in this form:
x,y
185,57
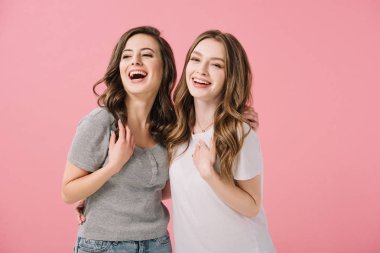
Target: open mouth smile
x,y
201,83
137,75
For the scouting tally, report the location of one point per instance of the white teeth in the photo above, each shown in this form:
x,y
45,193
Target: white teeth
x,y
137,72
200,81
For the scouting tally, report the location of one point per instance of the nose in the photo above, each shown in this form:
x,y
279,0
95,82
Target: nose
x,y
202,69
136,60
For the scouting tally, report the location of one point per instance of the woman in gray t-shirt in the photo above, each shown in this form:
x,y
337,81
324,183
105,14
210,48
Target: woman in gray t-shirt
x,y
118,160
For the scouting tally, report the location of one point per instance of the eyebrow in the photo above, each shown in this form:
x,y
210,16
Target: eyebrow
x,y
212,58
142,49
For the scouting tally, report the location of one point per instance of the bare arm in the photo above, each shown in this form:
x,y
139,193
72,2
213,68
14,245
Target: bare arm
x,y
244,198
78,184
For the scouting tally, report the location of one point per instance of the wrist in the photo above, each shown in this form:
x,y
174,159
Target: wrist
x,y
112,169
210,174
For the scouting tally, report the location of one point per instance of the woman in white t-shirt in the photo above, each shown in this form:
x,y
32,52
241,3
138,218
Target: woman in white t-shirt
x,y
216,167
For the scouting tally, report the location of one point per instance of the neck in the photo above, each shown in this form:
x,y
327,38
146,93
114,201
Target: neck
x,y
204,115
138,111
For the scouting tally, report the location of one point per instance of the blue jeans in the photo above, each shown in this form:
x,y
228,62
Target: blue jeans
x,y
157,245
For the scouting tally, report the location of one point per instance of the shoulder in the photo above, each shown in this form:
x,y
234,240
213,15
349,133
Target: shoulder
x,y
97,121
251,142
99,116
90,145
160,150
180,152
250,134
249,161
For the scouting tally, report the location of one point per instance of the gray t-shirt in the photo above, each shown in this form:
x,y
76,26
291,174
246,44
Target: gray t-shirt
x,y
128,206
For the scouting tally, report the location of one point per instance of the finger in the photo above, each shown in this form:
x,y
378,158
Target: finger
x,y
121,130
194,155
247,109
249,116
255,116
132,142
195,150
112,139
79,219
253,125
82,218
127,134
212,148
80,215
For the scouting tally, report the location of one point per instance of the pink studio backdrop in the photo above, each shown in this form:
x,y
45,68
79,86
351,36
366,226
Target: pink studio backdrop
x,y
316,66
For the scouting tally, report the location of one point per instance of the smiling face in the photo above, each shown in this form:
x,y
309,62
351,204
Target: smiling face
x,y
141,65
205,70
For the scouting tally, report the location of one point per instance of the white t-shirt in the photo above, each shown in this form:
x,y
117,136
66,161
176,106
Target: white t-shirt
x,y
202,222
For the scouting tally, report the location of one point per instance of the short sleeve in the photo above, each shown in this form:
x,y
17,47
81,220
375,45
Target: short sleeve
x,y
89,147
249,163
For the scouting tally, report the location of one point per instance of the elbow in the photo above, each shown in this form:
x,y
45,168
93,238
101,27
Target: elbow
x,y
253,213
66,197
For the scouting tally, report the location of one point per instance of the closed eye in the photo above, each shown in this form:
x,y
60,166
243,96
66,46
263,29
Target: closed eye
x,y
217,65
194,59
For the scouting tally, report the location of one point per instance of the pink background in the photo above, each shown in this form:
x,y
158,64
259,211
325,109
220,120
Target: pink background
x,y
316,66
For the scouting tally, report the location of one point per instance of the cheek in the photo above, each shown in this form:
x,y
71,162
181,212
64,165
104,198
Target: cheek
x,y
158,68
157,75
188,70
218,76
122,66
222,79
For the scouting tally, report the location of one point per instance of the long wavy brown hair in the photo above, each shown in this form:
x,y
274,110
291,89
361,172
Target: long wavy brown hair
x,y
228,118
162,115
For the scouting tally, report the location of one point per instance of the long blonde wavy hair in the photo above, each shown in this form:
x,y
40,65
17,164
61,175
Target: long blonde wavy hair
x,y
228,118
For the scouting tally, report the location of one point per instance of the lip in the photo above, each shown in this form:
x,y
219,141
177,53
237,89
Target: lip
x,y
194,79
137,70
